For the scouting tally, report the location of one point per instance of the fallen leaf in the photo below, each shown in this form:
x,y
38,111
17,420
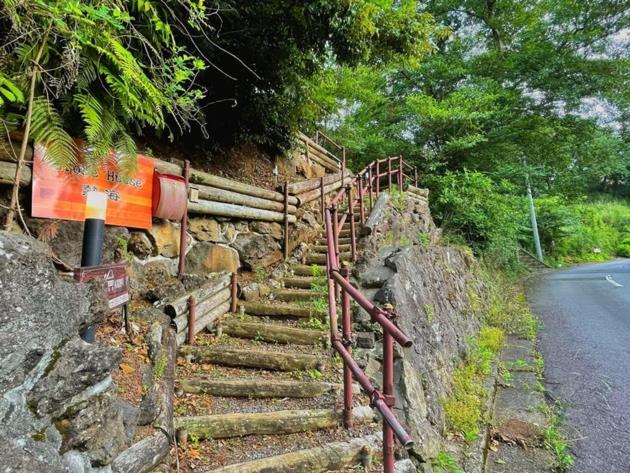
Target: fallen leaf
x,y
127,369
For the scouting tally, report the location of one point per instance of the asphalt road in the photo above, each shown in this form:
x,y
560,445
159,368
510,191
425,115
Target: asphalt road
x,y
585,341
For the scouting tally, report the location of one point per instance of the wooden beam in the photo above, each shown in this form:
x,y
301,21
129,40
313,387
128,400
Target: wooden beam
x,y
229,197
310,184
257,388
337,456
223,426
273,332
237,211
316,193
205,321
270,360
180,305
279,310
200,177
203,307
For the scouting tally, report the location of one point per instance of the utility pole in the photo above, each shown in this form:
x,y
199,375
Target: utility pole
x,y
532,216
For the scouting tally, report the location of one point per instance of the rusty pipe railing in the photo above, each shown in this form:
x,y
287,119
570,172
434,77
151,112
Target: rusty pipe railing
x,y
339,286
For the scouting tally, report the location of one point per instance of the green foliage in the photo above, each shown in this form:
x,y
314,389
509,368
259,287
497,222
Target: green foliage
x,y
314,374
507,306
463,409
444,462
555,439
483,212
429,312
101,69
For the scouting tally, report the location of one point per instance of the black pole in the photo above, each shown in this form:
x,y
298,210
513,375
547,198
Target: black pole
x,y
92,254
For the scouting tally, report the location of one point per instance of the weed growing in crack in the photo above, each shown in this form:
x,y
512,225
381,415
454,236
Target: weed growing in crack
x,y
445,463
555,440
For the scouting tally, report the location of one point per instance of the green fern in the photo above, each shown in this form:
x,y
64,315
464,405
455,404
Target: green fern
x,y
47,129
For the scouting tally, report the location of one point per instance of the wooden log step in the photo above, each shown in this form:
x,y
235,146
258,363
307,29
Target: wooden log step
x,y
308,270
273,332
279,310
223,426
290,295
324,242
324,248
320,258
335,456
257,388
268,360
304,282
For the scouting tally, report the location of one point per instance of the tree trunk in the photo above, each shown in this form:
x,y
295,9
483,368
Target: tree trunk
x,y
257,388
180,305
336,456
237,211
273,333
254,359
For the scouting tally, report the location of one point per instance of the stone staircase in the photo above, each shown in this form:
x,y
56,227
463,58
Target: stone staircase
x,y
530,262
263,394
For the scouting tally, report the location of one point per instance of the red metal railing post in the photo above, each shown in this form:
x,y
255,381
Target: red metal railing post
x,y
322,198
234,292
378,178
353,234
361,204
389,174
333,212
343,163
388,394
286,221
400,174
183,227
191,320
370,186
346,322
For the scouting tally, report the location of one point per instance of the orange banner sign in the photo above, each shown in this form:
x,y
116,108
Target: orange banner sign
x,y
61,194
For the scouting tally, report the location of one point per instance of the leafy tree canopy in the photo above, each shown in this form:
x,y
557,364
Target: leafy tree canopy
x,y
543,83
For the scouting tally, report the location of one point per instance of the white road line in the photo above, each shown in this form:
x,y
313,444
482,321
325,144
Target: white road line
x,y
612,281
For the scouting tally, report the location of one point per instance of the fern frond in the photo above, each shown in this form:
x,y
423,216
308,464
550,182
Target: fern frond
x,y
126,154
92,113
47,129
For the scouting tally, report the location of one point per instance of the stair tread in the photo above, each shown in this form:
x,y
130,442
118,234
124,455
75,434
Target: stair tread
x,y
252,454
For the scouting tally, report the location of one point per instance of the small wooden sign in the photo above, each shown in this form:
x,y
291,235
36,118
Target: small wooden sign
x,y
115,277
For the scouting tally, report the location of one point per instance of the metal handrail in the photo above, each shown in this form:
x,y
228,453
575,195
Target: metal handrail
x,y
340,286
